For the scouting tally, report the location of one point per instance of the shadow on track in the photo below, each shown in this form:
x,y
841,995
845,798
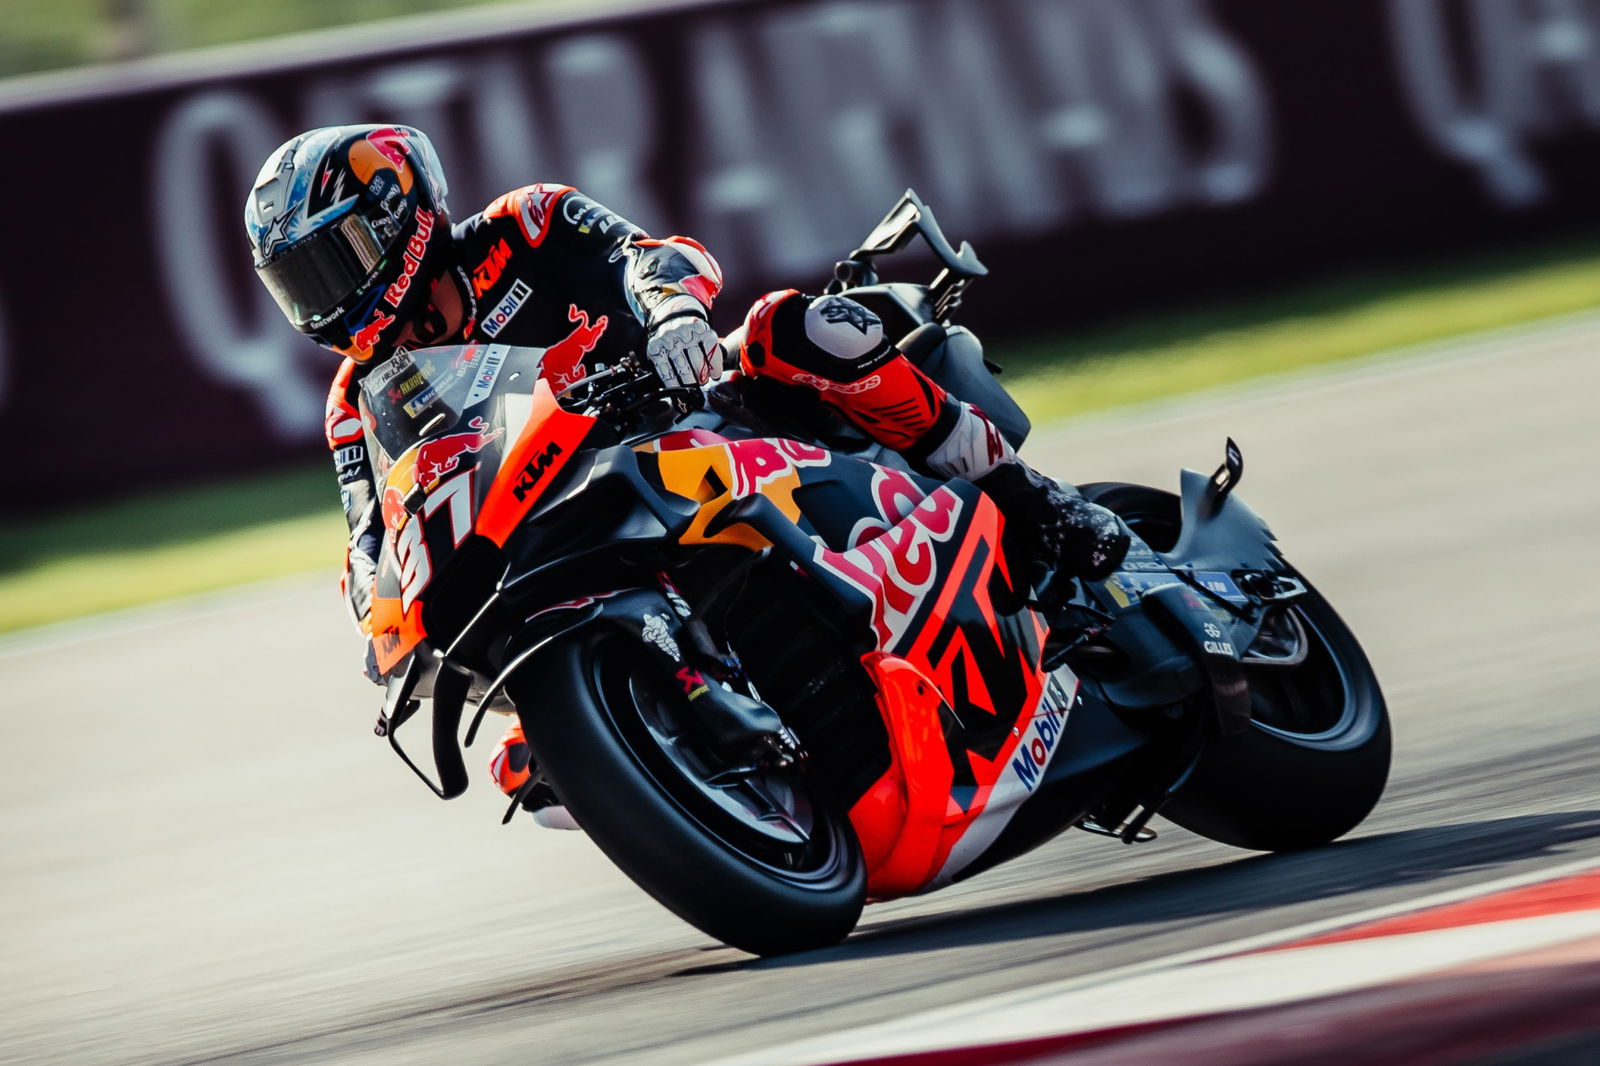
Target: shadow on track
x,y
1256,882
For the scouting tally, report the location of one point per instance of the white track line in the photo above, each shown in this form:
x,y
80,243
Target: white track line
x,y
902,1035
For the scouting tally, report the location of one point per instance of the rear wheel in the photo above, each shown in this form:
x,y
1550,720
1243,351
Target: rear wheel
x,y
1315,758
750,860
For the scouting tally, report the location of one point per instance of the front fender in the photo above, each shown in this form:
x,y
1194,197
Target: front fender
x,y
625,609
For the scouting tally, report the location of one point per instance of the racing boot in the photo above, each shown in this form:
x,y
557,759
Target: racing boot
x,y
512,767
1049,530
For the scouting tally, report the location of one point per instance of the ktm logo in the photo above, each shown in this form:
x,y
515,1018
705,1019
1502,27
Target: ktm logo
x,y
534,471
486,273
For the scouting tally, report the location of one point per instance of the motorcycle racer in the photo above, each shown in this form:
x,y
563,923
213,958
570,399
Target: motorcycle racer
x,y
351,235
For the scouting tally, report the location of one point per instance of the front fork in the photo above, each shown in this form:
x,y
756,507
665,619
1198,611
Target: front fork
x,y
741,730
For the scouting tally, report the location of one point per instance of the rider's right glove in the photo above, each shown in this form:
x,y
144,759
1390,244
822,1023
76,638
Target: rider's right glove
x,y
684,351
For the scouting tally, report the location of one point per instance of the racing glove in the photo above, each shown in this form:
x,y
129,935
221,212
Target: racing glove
x,y
684,351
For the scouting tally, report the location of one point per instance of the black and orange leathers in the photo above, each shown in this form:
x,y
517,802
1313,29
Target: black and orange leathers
x,y
540,265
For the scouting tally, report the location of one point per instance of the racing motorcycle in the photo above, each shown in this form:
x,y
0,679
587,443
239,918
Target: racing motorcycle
x,y
774,673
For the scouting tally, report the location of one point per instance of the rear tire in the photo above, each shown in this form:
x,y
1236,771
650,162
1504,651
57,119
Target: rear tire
x,y
611,738
1315,758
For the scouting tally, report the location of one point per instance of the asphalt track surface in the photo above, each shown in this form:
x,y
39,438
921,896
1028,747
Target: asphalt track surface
x,y
205,855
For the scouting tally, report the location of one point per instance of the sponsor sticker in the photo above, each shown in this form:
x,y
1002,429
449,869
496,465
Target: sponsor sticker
x,y
485,373
419,403
388,370
1128,588
496,319
1038,743
486,273
1222,585
411,260
656,631
587,215
533,471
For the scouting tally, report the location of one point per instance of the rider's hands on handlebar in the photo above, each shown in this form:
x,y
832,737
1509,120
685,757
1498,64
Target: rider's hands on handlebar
x,y
684,351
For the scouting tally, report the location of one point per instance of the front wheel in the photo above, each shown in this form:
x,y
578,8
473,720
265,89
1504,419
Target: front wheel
x,y
1315,758
750,860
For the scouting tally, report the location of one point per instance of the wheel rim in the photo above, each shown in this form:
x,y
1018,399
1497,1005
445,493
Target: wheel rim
x,y
767,819
1313,703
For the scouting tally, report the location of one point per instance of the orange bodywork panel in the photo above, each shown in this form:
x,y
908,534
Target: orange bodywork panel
x,y
910,821
395,632
717,475
548,441
900,820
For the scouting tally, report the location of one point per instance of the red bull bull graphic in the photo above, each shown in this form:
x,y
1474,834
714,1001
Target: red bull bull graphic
x,y
437,459
394,508
368,335
563,360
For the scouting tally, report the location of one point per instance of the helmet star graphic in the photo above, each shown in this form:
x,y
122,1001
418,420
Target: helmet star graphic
x,y
277,231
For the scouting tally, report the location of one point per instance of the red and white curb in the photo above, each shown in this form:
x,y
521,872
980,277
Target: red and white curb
x,y
1434,980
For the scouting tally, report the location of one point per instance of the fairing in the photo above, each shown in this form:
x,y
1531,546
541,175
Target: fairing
x,y
465,439
953,654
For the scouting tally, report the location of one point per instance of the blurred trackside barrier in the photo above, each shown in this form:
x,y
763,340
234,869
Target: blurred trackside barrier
x,y
1102,154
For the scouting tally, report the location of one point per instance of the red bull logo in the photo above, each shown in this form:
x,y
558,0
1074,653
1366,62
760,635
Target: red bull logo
x,y
437,459
411,261
394,508
367,335
391,144
563,360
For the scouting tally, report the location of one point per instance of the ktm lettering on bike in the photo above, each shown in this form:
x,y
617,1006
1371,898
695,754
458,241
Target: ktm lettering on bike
x,y
534,470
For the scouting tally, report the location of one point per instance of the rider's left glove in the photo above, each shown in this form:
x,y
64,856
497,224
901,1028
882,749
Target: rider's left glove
x,y
684,351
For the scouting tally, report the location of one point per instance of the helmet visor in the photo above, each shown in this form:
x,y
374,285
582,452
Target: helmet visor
x,y
315,276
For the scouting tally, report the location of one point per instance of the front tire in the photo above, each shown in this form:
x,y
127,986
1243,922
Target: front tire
x,y
1315,758
757,864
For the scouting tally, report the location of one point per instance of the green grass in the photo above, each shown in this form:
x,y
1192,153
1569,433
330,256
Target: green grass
x,y
1187,350
181,542
168,544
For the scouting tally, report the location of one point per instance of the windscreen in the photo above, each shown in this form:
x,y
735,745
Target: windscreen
x,y
414,395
